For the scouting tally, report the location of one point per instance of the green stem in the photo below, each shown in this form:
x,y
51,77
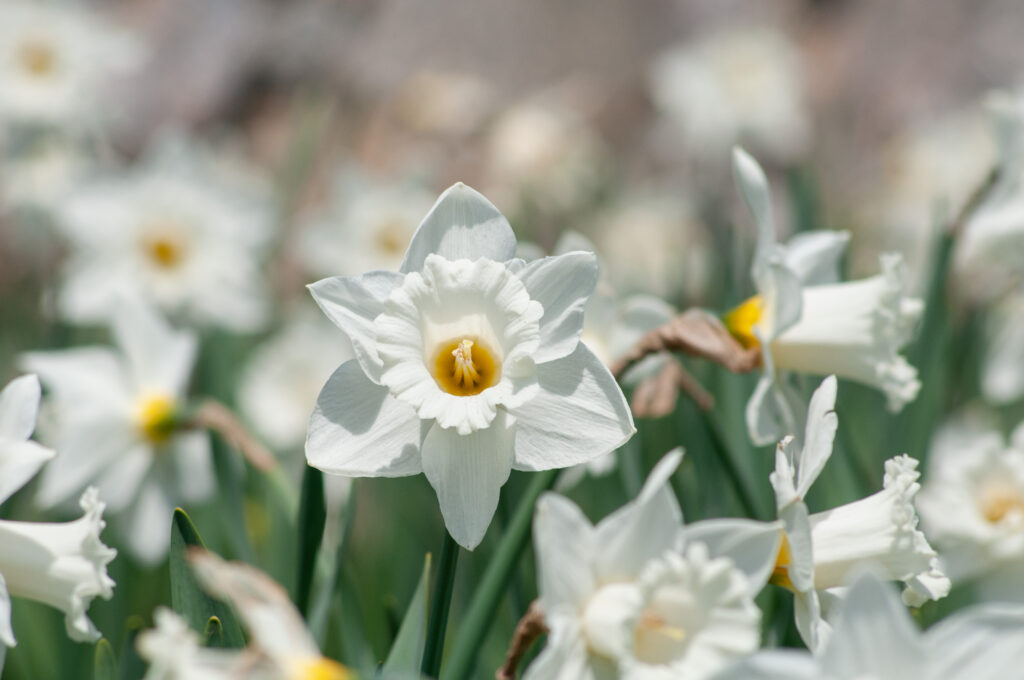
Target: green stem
x,y
489,593
439,605
746,488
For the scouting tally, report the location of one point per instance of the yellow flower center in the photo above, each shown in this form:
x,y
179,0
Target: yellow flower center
x,y
165,246
780,575
319,668
157,417
37,58
465,367
1000,500
741,321
392,237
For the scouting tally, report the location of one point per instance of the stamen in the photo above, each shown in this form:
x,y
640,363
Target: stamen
x,y
157,417
164,247
655,623
465,367
1000,500
465,373
780,574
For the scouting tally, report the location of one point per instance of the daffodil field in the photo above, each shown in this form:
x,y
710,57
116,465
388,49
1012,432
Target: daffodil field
x,y
657,341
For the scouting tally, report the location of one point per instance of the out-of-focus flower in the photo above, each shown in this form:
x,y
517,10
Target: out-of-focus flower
x,y
279,386
628,598
468,363
820,550
61,565
803,321
743,86
1002,368
367,226
56,60
37,173
444,103
876,638
116,414
660,248
544,154
281,647
972,505
178,228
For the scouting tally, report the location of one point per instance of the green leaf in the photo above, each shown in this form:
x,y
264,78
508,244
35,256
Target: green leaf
x,y
213,636
104,665
187,598
407,650
312,517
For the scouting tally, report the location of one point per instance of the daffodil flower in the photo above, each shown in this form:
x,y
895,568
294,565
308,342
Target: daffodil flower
x,y
116,425
803,321
281,646
876,638
468,364
61,565
638,596
819,551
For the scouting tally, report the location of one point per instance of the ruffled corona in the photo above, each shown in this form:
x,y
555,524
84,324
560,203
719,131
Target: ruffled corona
x,y
61,565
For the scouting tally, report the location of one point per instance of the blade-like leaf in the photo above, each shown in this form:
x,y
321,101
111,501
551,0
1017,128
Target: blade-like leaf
x,y
104,665
407,650
312,516
187,598
213,636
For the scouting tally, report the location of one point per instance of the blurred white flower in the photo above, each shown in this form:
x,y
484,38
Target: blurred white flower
x,y
972,505
367,225
820,550
281,647
803,321
58,61
659,246
742,86
876,638
543,153
1002,367
38,173
444,103
116,415
61,565
279,386
176,228
468,363
632,598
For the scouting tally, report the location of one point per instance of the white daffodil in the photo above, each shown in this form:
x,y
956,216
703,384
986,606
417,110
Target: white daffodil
x,y
56,60
180,230
637,597
367,226
468,363
972,505
281,647
742,86
875,638
820,550
116,414
803,321
61,565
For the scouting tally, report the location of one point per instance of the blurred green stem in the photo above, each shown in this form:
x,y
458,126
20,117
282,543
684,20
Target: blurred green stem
x,y
740,472
491,589
439,606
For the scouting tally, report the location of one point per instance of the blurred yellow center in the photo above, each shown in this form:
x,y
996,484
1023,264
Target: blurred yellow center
x,y
164,246
651,623
157,417
780,575
37,58
998,501
464,368
319,669
392,238
741,321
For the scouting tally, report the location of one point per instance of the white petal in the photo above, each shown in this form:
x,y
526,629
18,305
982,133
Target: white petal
x,y
62,565
19,462
6,632
774,411
642,529
751,545
467,472
352,303
814,255
783,299
564,657
753,186
120,482
822,423
461,225
981,643
19,406
358,429
191,457
148,530
873,635
801,546
159,357
87,445
562,285
773,664
80,376
271,620
578,415
565,544
814,630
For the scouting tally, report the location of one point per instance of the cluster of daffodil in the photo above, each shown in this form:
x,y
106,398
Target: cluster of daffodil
x,y
526,390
